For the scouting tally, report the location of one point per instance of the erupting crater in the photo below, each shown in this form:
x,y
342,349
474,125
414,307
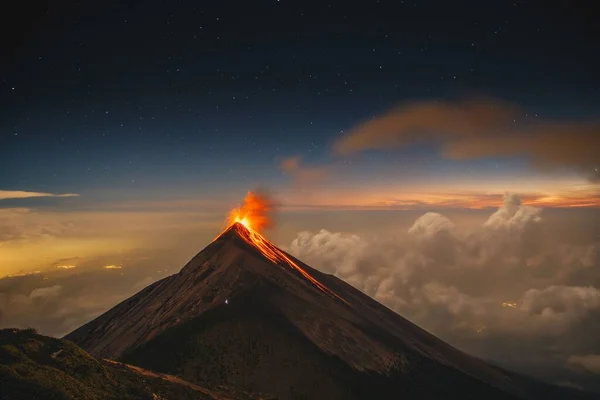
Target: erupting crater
x,y
252,216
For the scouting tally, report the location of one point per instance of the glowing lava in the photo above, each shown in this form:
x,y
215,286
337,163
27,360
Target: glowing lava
x,y
253,216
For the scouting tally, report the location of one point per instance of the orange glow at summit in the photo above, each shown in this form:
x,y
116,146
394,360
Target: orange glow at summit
x,y
253,214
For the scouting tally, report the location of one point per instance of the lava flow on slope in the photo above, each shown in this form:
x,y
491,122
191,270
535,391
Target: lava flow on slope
x,y
252,216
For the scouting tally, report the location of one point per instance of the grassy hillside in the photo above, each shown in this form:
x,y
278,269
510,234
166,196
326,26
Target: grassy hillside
x,y
33,367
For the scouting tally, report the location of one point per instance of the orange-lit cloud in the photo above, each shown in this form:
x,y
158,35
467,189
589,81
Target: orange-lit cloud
x,y
480,128
46,239
392,198
291,164
50,239
19,194
302,174
427,121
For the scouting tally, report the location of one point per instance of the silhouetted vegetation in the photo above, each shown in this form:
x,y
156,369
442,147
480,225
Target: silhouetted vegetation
x,y
33,367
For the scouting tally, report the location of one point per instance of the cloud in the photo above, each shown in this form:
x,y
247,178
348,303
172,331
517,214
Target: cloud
x,y
558,306
453,280
437,266
546,143
301,173
22,224
513,215
452,299
56,300
477,128
335,198
589,363
19,194
32,240
337,252
427,121
45,292
291,164
59,301
431,224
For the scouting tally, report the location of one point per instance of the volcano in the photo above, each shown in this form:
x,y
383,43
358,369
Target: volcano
x,y
245,314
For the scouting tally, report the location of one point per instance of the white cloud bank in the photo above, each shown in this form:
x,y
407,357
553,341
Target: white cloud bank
x,y
502,283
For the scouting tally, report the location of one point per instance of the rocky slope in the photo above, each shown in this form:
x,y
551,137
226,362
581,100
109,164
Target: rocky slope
x,y
237,315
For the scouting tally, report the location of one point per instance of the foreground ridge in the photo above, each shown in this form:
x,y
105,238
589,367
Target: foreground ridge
x,y
33,366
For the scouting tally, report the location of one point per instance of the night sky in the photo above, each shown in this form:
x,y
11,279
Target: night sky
x,y
156,97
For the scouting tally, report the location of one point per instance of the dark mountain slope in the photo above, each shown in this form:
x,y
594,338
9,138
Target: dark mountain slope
x,y
33,367
244,313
